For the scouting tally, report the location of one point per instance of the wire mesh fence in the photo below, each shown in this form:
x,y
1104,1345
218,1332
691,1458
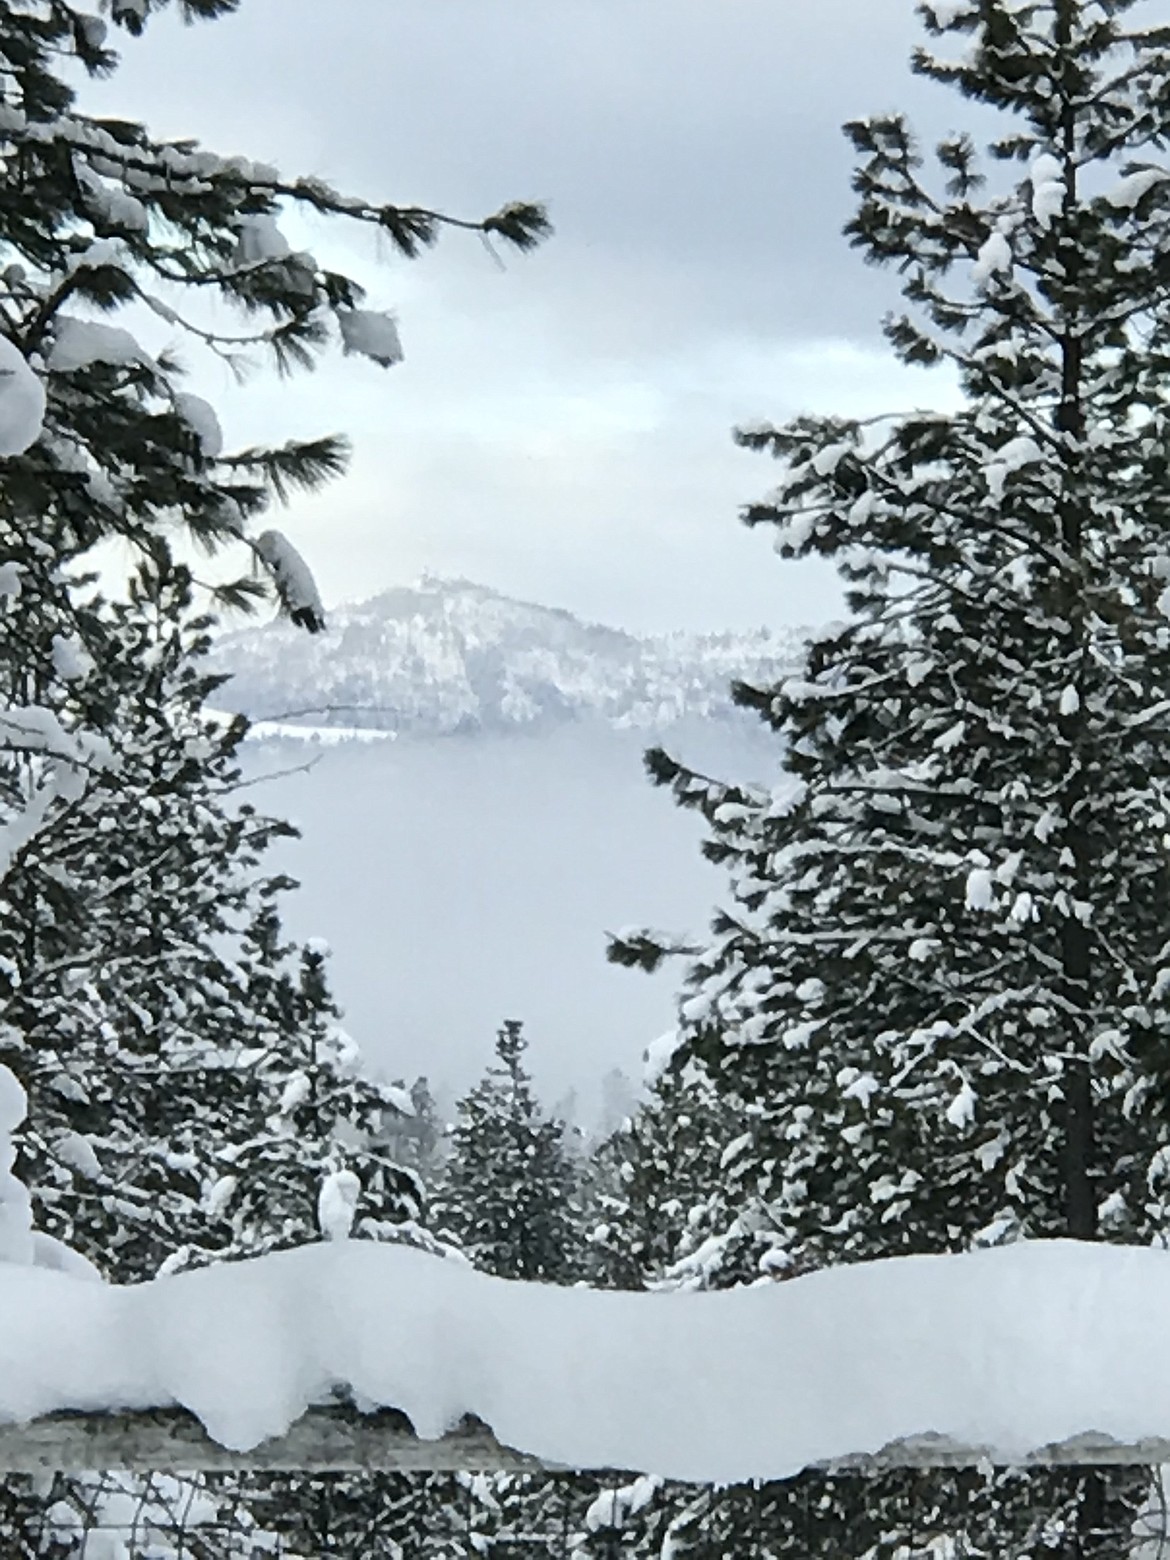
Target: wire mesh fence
x,y
1065,1514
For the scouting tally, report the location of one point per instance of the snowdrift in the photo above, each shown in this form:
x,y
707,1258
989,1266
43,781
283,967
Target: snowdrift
x,y
1010,1349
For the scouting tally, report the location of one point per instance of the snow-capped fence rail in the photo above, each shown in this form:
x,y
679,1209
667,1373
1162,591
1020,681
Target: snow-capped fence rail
x,y
1050,1353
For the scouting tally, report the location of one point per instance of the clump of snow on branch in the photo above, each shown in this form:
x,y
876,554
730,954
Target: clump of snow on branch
x,y
994,258
200,416
1129,191
111,205
292,579
399,1098
77,1151
71,660
1014,456
980,892
657,1057
961,1110
78,344
369,333
259,241
948,12
1048,189
337,1204
22,402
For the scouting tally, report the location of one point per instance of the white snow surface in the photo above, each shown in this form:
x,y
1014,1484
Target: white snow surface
x,y
78,344
291,575
372,334
1008,1349
22,401
200,416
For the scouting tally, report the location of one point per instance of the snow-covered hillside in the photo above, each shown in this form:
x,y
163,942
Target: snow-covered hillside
x,y
447,656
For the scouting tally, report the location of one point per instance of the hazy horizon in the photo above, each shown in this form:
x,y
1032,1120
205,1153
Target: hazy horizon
x,y
462,881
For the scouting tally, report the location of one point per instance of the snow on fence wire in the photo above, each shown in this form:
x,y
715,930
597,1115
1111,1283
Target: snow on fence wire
x,y
822,1515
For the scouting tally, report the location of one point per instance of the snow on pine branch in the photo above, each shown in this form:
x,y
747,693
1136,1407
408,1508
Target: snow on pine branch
x,y
292,579
65,758
1010,1349
22,402
20,1244
372,334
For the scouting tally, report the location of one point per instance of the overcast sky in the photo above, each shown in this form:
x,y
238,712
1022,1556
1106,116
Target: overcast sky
x,y
561,427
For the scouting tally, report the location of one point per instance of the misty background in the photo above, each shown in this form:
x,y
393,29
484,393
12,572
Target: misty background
x,y
560,430
464,880
467,773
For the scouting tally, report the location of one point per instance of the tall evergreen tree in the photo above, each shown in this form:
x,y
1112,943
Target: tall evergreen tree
x,y
508,1194
509,1197
943,973
941,978
148,1002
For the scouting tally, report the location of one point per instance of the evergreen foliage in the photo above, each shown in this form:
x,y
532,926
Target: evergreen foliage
x,y
192,1094
941,976
937,991
647,1220
508,1195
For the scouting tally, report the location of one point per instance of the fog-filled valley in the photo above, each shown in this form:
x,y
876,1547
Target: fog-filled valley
x,y
466,772
464,880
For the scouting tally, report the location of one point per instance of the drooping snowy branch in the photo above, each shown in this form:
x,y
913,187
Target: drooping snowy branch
x,y
292,579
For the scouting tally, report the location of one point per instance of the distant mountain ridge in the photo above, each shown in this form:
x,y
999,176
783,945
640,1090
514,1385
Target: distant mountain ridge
x,y
447,656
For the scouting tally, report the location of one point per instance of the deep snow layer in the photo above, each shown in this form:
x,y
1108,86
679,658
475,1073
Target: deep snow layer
x,y
1008,1349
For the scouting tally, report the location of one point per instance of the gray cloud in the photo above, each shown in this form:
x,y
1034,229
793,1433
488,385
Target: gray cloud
x,y
561,426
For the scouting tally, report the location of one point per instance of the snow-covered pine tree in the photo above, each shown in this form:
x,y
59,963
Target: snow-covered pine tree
x,y
313,1162
942,976
947,938
508,1194
160,1017
147,992
647,1181
99,221
116,917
